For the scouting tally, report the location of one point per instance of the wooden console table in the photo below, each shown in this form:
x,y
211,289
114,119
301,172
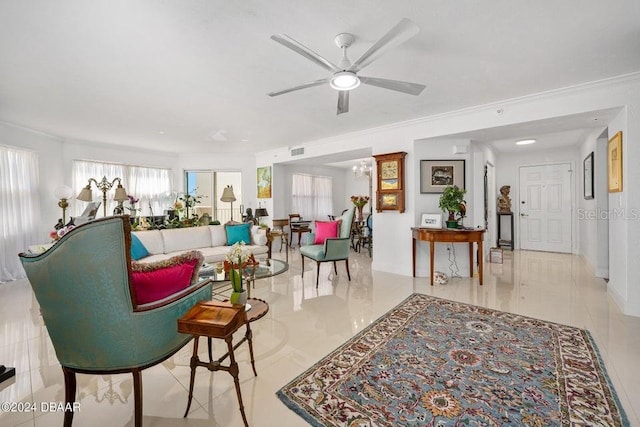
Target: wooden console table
x,y
449,235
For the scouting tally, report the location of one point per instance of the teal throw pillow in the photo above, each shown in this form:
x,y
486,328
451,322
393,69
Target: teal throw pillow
x,y
238,233
138,251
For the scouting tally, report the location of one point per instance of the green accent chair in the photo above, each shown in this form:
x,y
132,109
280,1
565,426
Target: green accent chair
x,y
333,249
83,286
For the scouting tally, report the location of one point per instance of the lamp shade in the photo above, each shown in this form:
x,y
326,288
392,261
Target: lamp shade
x,y
261,212
121,194
227,194
63,192
85,195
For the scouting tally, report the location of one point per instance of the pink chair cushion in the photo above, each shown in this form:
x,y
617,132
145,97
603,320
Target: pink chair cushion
x,y
325,230
155,281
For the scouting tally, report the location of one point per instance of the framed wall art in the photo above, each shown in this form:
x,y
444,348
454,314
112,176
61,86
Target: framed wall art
x,y
431,220
264,182
614,163
436,175
390,181
587,177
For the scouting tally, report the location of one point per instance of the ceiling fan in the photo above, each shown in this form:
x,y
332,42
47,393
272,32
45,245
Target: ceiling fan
x,y
345,74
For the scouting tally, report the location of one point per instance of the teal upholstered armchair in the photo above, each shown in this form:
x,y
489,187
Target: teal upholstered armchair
x,y
333,249
84,287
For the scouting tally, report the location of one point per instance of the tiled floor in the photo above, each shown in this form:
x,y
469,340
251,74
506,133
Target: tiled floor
x,y
303,325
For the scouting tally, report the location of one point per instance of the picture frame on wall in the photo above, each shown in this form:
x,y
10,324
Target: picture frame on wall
x,y
436,175
431,220
587,180
264,182
614,163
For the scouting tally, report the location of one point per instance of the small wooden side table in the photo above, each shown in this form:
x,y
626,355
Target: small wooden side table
x,y
217,319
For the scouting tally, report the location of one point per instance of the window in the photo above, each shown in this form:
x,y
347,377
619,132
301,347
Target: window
x,y
19,209
209,185
312,196
152,186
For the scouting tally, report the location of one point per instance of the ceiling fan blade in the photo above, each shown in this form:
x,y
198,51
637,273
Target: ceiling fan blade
x,y
343,102
403,31
298,47
302,86
397,85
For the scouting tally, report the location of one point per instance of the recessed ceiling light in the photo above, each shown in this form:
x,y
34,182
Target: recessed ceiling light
x,y
525,141
161,132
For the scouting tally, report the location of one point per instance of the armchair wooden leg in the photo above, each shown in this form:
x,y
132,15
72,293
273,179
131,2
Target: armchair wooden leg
x,y
69,394
302,258
317,273
346,262
137,393
335,268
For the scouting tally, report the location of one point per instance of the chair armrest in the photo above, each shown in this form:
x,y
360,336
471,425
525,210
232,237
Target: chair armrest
x,y
336,248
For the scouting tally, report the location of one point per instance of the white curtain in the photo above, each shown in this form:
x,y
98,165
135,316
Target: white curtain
x,y
312,196
151,186
19,209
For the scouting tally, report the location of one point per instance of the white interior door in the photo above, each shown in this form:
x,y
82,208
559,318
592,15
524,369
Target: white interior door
x,y
545,208
490,238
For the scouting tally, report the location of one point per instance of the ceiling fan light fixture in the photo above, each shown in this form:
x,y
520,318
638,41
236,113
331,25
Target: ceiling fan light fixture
x,y
525,141
344,80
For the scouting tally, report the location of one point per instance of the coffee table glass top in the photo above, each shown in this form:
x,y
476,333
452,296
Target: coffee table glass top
x,y
266,268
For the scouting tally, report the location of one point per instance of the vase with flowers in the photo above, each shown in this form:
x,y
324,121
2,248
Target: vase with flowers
x,y
133,211
359,202
235,261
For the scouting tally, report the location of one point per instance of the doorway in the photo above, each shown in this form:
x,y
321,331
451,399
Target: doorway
x,y
545,208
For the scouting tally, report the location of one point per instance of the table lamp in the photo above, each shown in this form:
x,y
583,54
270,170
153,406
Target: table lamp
x,y
261,213
228,196
104,185
63,193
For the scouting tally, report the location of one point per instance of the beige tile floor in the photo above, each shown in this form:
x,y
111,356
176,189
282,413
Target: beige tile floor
x,y
303,325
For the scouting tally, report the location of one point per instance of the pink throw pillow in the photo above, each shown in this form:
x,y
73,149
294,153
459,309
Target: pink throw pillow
x,y
155,285
325,230
156,280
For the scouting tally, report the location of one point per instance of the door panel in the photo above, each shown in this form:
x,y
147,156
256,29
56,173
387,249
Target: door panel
x,y
545,208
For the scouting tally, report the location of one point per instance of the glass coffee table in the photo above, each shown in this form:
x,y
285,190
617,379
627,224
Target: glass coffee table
x,y
222,285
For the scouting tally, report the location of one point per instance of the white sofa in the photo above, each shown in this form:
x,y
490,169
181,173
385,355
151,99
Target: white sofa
x,y
210,240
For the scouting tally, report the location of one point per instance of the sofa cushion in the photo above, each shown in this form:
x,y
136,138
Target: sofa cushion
x,y
157,280
324,230
238,233
259,236
182,239
138,250
218,235
152,240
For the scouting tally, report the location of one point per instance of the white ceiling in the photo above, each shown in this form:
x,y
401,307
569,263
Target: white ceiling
x,y
193,75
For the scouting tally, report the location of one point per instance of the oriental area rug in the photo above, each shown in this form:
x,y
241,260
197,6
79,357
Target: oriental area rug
x,y
434,362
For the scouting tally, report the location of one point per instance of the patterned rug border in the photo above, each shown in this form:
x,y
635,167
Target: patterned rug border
x,y
292,405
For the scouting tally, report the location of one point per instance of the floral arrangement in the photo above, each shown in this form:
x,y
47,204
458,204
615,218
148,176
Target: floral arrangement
x,y
132,203
235,260
56,235
359,201
187,201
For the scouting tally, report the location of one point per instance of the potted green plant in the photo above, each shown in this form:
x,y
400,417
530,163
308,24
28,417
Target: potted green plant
x,y
452,201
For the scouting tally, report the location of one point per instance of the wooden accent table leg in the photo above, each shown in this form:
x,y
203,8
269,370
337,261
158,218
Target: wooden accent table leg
x,y
414,257
471,259
234,371
480,262
193,364
431,258
249,336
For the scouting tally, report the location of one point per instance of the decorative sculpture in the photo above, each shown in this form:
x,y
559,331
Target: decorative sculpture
x,y
504,201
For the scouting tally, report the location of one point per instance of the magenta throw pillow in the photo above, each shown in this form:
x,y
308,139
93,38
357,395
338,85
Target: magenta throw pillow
x,y
325,230
157,280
